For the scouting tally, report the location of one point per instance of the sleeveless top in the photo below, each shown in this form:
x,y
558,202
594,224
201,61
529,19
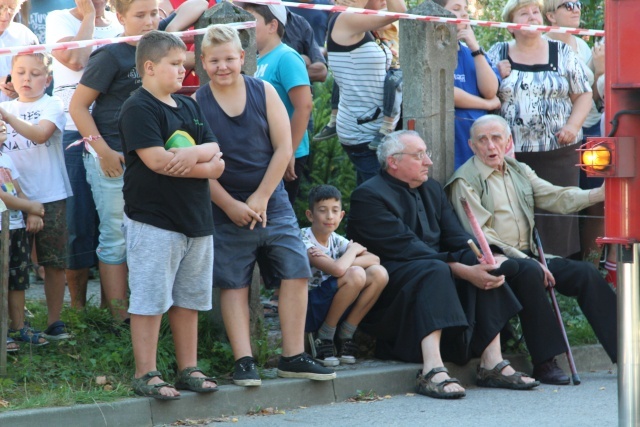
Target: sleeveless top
x,y
359,70
246,146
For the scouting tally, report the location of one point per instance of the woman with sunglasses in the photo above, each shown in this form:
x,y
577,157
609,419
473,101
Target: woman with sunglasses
x,y
545,98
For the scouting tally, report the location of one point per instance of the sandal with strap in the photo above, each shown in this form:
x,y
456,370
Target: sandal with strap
x,y
141,387
187,382
12,346
426,387
29,335
496,379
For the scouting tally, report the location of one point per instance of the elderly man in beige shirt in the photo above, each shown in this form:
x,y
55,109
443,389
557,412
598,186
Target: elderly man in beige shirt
x,y
502,193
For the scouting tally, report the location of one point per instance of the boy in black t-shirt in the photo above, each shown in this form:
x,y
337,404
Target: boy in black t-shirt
x,y
170,155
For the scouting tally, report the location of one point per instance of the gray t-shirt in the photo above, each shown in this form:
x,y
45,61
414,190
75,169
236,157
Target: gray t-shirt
x,y
112,72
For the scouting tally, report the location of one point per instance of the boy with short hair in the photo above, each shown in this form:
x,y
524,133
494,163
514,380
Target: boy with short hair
x,y
12,196
35,122
346,279
170,156
252,213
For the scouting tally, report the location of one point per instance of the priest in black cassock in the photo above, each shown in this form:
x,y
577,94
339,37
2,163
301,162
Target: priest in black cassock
x,y
440,303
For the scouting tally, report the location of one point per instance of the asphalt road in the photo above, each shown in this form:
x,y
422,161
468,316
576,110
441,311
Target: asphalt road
x,y
593,403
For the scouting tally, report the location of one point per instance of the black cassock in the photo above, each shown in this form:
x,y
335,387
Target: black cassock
x,y
415,232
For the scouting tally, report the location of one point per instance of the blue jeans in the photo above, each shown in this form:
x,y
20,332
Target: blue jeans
x,y
364,160
107,195
82,221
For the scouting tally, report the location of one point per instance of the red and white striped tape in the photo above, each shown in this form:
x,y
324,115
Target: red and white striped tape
x,y
492,24
17,50
39,48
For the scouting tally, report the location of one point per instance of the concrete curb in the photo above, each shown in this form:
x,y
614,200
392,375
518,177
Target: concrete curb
x,y
382,377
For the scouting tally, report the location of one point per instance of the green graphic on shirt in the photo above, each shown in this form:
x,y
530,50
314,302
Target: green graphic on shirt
x,y
179,139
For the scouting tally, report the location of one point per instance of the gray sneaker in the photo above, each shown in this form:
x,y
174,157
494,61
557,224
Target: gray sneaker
x,y
327,132
304,366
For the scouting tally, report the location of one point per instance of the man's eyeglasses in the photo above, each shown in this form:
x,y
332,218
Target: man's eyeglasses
x,y
571,5
420,155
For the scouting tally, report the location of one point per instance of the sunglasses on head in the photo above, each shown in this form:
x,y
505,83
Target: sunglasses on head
x,y
571,5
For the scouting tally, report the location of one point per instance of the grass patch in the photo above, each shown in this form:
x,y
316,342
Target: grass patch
x,y
64,373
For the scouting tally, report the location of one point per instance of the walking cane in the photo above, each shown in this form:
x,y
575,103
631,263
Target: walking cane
x,y
572,365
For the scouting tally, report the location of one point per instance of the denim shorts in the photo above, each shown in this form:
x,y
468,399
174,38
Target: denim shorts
x,y
109,201
82,220
237,248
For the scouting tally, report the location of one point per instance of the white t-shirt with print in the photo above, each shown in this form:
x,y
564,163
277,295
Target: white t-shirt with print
x,y
15,35
337,247
61,24
8,173
43,174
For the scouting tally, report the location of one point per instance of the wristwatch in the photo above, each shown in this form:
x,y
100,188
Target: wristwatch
x,y
477,52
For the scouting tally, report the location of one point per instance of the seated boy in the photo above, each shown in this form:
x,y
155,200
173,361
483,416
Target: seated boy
x,y
347,280
171,155
251,210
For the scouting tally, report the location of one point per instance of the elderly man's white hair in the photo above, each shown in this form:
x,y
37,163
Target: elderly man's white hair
x,y
488,118
391,144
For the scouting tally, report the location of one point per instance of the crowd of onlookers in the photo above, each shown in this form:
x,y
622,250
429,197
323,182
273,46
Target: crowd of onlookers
x,y
103,164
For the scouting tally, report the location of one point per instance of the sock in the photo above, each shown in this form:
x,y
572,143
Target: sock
x,y
332,119
612,273
326,332
387,126
346,331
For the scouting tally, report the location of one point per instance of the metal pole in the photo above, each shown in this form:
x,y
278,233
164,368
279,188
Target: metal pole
x,y
4,290
629,335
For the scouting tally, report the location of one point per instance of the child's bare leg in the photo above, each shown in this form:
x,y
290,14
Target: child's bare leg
x,y
54,286
114,282
77,283
235,314
16,309
376,280
144,337
349,287
293,311
184,328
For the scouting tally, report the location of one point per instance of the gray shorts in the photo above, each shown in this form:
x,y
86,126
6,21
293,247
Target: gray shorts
x,y
278,244
167,269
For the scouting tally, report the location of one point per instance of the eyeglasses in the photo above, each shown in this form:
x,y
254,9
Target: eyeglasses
x,y
571,5
420,155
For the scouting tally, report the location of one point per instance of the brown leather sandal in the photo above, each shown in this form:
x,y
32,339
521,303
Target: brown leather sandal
x,y
426,387
496,379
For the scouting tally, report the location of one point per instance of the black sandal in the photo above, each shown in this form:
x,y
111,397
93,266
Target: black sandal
x,y
426,387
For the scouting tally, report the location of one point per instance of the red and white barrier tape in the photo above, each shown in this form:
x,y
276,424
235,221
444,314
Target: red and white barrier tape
x,y
492,24
39,48
17,50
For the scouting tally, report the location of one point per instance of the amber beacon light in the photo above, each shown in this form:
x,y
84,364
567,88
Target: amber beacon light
x,y
608,157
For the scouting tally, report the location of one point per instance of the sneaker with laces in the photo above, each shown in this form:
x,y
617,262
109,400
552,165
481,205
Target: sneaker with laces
x,y
347,350
324,351
304,366
245,372
327,132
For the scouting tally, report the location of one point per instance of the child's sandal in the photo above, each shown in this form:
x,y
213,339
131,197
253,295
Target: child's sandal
x,y
187,382
141,387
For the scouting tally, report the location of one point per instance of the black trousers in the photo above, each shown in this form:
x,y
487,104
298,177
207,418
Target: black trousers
x,y
575,279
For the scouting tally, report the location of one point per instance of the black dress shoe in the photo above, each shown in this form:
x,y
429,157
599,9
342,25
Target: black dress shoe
x,y
550,373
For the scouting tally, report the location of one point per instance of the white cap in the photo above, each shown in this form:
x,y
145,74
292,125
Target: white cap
x,y
280,12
